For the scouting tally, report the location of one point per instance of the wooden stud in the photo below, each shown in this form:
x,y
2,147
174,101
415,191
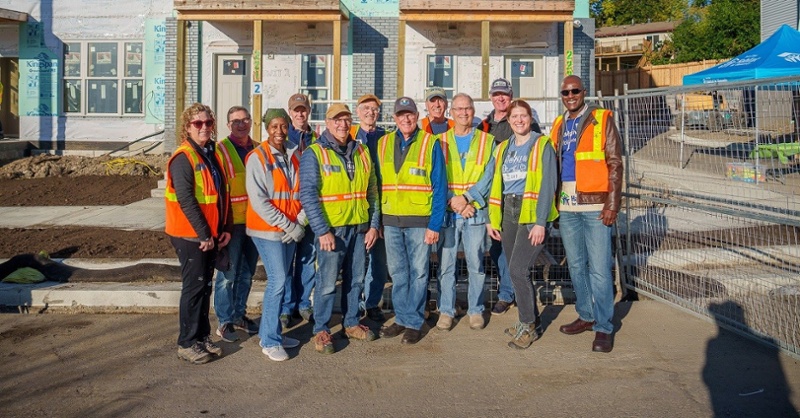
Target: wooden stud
x,y
568,51
337,59
485,47
257,99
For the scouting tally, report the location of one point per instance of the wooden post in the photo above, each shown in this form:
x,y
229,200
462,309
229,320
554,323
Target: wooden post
x,y
401,56
256,60
337,59
485,47
180,80
568,29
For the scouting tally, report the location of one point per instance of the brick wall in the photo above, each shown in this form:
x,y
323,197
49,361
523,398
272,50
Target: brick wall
x,y
375,59
583,52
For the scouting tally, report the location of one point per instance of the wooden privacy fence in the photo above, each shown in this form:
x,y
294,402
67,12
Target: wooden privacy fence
x,y
648,77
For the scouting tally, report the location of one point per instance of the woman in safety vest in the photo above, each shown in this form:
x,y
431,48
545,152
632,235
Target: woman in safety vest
x,y
276,222
198,221
521,203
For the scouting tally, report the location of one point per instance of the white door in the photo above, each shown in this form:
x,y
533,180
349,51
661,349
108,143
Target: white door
x,y
526,73
232,86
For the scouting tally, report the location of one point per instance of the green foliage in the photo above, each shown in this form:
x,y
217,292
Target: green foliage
x,y
626,12
723,29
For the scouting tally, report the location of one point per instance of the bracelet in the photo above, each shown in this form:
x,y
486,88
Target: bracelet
x,y
465,198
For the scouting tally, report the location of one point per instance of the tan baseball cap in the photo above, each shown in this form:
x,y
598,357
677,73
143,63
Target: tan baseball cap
x,y
337,109
368,97
299,100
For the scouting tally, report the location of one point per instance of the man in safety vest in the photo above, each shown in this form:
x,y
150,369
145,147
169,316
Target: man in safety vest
x,y
339,194
467,151
297,297
590,161
413,200
367,132
232,286
436,105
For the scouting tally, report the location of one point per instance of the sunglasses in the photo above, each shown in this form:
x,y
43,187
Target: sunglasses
x,y
574,92
198,124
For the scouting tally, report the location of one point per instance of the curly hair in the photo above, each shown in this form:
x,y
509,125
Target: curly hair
x,y
190,113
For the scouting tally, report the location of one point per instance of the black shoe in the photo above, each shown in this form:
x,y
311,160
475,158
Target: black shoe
x,y
247,325
392,330
501,307
375,314
411,336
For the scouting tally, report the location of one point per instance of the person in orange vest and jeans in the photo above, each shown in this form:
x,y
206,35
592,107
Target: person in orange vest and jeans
x,y
198,222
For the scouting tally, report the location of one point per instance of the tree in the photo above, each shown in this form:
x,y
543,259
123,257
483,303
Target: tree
x,y
723,29
626,12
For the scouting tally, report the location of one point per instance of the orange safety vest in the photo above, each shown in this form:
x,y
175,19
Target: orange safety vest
x,y
591,170
235,172
205,192
285,197
426,125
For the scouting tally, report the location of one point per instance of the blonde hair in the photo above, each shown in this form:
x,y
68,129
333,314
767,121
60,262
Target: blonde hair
x,y
190,113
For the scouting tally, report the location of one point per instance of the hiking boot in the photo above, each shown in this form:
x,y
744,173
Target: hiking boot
x,y
306,314
276,353
247,325
359,332
323,342
445,322
524,338
476,321
392,330
227,333
514,329
212,348
501,307
196,354
376,314
285,321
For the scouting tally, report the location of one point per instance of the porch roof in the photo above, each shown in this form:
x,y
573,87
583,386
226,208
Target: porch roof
x,y
250,10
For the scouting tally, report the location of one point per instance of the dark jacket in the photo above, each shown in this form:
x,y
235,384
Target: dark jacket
x,y
613,149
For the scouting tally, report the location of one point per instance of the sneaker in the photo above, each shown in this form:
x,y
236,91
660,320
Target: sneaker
x,y
247,325
514,329
376,314
196,354
445,322
289,342
227,333
359,332
323,342
276,353
212,348
476,321
501,307
285,321
306,314
524,338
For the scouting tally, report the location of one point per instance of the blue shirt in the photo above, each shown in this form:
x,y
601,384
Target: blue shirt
x,y
515,165
300,138
568,144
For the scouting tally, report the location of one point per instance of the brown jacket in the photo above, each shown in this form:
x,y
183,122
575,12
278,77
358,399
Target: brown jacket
x,y
611,200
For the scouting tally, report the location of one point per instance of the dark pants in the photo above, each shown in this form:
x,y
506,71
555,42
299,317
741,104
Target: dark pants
x,y
521,255
197,269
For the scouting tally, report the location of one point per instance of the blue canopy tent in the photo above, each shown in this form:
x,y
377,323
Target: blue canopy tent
x,y
778,56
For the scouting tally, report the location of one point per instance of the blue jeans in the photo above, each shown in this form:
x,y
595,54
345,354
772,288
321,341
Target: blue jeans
x,y
375,280
277,259
232,287
298,294
505,290
472,238
588,246
408,266
349,255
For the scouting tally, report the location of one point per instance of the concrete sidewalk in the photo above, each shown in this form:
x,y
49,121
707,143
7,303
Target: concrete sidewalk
x,y
145,214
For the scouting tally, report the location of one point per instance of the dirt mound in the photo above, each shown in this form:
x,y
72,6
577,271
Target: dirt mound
x,y
42,166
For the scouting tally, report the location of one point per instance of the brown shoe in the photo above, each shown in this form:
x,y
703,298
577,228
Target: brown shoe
x,y
359,332
392,330
603,343
576,327
323,342
411,336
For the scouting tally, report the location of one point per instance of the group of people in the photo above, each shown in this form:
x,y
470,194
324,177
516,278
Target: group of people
x,y
372,205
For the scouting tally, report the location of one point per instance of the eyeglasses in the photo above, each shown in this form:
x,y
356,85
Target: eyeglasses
x,y
241,121
461,109
574,92
370,109
198,124
341,121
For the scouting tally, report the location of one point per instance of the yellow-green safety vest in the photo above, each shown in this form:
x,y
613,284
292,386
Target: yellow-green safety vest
x,y
533,183
459,179
235,172
408,192
343,201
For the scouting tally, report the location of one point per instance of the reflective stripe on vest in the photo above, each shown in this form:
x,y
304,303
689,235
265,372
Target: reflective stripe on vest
x,y
591,170
408,192
205,192
235,171
343,201
285,196
533,183
460,179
